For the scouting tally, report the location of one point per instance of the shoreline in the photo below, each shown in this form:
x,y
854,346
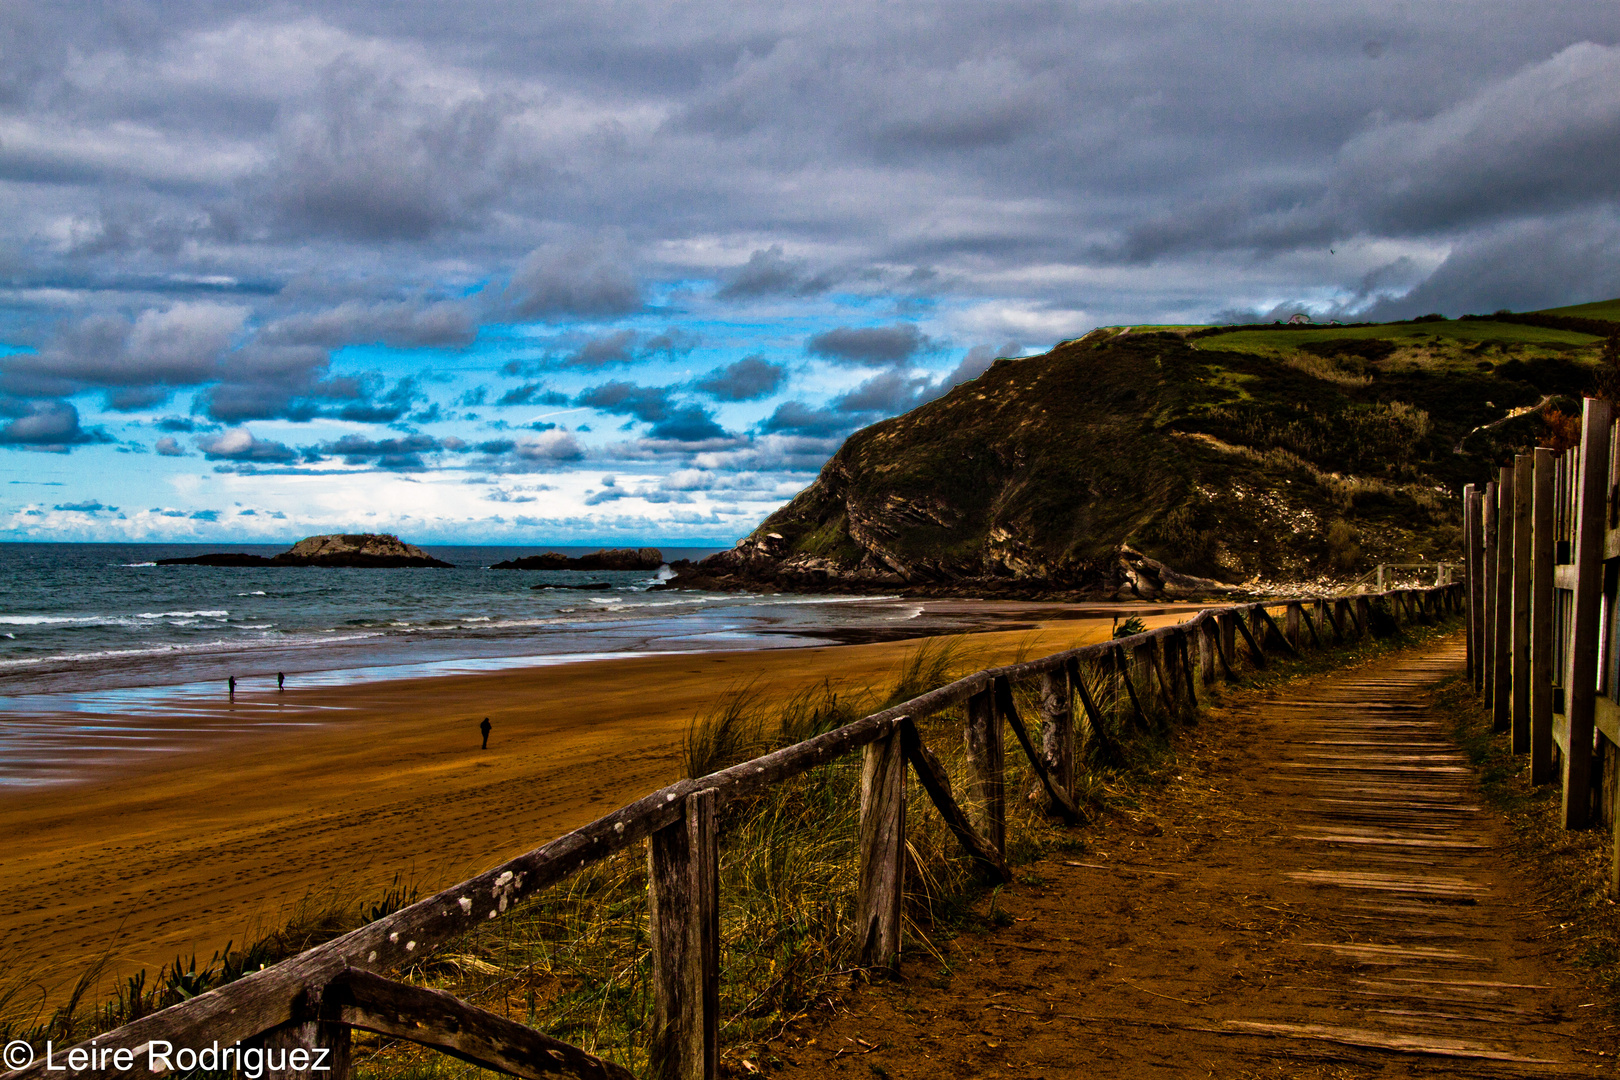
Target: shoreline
x,y
53,736
349,785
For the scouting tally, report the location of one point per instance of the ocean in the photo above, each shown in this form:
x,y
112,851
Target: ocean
x,y
100,649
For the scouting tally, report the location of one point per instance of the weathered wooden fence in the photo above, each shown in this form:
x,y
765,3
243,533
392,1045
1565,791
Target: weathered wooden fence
x,y
1542,547
305,1007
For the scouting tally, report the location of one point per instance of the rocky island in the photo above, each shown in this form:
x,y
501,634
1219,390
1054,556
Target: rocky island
x,y
609,559
370,550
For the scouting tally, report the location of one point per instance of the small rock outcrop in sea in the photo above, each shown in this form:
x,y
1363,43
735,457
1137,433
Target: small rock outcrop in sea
x,y
610,559
334,549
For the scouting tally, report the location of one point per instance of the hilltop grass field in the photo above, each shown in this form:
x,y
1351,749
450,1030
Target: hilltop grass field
x,y
1599,309
1474,334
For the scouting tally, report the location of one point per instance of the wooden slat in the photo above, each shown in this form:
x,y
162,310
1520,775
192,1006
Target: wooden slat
x,y
1213,632
1581,681
1519,632
1502,654
1255,653
451,1026
1057,728
683,913
1316,638
1288,646
1487,682
318,1032
1059,798
937,782
1541,619
1102,732
881,880
986,794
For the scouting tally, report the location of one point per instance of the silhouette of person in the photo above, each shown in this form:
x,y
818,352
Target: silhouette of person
x,y
233,687
281,680
484,727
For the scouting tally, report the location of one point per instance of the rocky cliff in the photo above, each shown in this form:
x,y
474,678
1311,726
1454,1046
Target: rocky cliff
x,y
1151,464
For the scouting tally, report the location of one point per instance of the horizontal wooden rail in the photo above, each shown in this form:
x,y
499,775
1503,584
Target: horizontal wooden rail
x,y
277,998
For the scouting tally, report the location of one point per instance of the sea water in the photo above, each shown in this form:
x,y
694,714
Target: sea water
x,y
102,648
77,617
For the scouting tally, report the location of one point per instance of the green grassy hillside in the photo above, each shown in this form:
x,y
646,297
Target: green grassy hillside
x,y
1247,455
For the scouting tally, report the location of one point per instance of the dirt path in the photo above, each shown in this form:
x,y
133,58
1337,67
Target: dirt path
x,y
1321,894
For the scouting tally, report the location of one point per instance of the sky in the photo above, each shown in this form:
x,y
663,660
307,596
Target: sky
x,y
580,273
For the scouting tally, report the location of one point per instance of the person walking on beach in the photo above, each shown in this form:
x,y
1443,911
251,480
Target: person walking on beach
x,y
233,687
281,680
484,727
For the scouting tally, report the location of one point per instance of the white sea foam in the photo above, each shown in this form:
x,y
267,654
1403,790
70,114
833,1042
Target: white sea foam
x,y
198,647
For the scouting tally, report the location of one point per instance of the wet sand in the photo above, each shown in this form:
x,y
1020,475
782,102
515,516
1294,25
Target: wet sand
x,y
186,851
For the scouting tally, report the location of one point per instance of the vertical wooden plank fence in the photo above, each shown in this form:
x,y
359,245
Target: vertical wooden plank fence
x,y
1543,557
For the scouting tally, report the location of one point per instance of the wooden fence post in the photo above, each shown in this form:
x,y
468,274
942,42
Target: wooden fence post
x,y
1580,687
986,781
1206,651
1487,684
1057,728
1541,620
883,853
318,1028
1473,574
1291,626
683,906
1523,497
1363,616
1502,656
1228,628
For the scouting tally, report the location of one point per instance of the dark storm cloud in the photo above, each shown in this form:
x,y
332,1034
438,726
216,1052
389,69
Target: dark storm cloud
x,y
889,393
49,426
674,421
748,379
797,418
870,346
181,345
533,453
1522,267
403,454
532,394
398,323
585,279
618,348
770,273
239,444
372,157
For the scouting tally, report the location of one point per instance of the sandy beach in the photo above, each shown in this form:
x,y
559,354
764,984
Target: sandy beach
x,y
190,850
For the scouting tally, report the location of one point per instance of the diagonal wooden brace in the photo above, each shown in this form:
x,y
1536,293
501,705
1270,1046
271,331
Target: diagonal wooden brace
x,y
937,783
451,1026
1059,797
